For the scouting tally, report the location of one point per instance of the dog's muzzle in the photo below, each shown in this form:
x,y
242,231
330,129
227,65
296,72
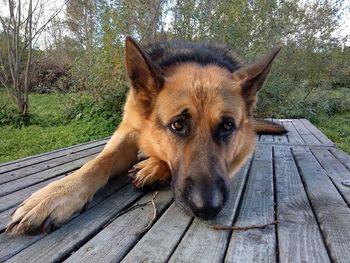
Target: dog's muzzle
x,y
206,200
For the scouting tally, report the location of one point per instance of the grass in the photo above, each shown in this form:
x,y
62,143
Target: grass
x,y
50,128
58,121
336,127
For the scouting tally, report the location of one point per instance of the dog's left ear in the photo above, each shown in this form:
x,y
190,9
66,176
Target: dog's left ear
x,y
252,78
145,76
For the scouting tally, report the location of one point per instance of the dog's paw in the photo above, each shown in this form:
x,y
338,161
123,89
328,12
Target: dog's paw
x,y
49,207
149,172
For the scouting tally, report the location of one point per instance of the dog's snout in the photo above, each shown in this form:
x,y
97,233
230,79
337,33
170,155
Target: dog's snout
x,y
206,201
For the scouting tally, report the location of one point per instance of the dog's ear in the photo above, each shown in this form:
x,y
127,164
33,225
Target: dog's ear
x,y
145,77
251,78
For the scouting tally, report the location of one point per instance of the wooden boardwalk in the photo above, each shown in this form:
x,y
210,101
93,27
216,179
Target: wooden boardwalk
x,y
300,179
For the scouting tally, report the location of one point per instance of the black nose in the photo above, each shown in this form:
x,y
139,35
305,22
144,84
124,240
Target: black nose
x,y
207,201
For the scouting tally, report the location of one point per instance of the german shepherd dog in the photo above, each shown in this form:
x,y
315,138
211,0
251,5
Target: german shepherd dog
x,y
189,110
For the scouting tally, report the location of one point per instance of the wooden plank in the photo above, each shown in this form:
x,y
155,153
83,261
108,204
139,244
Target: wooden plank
x,y
292,135
4,219
257,207
166,233
190,250
330,209
279,138
342,157
318,134
13,199
42,166
13,245
116,239
299,237
24,182
60,243
307,136
20,163
335,170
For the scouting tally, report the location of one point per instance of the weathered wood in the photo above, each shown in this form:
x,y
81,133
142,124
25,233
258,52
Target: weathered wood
x,y
317,133
307,136
21,183
279,138
13,199
59,244
335,170
292,135
257,207
190,250
13,245
330,209
17,164
42,166
115,240
342,157
312,208
299,237
159,242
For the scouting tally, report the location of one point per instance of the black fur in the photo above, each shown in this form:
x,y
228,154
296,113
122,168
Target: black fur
x,y
170,53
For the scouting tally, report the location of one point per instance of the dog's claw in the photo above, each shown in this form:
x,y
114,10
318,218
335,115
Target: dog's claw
x,y
134,170
46,226
85,207
11,226
137,183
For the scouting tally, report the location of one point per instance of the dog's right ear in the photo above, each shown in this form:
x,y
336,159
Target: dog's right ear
x,y
146,77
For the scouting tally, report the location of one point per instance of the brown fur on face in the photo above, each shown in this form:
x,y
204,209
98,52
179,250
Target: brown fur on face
x,y
206,95
202,98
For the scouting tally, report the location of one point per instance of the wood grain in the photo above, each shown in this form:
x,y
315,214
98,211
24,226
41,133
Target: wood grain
x,y
257,207
298,231
331,211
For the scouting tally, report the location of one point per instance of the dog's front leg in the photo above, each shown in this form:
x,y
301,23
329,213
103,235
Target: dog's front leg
x,y
58,201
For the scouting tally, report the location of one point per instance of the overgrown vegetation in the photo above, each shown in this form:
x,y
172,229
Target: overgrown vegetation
x,y
56,121
78,80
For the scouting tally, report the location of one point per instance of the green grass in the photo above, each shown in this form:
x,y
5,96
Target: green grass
x,y
336,127
50,129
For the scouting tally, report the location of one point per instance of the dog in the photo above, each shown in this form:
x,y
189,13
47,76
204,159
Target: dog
x,y
189,109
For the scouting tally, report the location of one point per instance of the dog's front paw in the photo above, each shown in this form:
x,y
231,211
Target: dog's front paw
x,y
49,207
149,172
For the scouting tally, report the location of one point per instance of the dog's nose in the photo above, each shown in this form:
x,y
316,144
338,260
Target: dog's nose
x,y
206,202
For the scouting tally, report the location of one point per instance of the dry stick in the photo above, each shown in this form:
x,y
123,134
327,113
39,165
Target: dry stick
x,y
155,213
244,228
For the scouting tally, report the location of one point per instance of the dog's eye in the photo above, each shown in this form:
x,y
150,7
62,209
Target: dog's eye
x,y
228,126
177,126
226,129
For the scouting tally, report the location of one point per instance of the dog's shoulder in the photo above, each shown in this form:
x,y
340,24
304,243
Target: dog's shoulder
x,y
170,53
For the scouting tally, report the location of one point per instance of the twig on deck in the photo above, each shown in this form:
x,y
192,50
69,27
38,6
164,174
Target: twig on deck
x,y
243,228
155,213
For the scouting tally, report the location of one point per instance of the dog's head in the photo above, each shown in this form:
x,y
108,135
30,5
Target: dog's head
x,y
197,120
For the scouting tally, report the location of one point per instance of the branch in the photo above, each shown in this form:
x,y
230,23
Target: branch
x,y
154,217
37,32
243,228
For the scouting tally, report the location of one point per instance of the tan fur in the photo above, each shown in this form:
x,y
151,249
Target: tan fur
x,y
207,92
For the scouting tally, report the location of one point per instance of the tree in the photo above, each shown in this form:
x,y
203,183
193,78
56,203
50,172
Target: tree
x,y
21,28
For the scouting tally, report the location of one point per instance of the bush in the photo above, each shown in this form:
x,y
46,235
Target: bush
x,y
51,73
